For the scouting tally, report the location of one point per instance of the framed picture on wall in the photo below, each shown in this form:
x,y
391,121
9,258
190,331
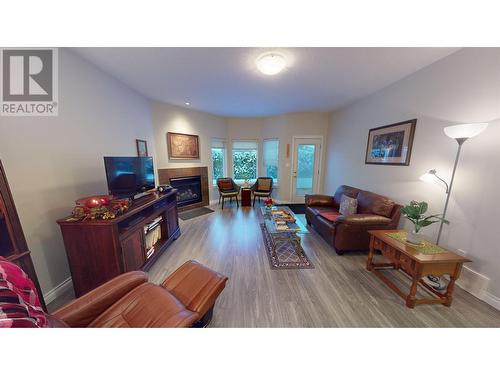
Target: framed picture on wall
x,y
183,146
391,144
142,147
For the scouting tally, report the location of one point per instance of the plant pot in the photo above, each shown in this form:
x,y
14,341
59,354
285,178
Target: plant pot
x,y
414,237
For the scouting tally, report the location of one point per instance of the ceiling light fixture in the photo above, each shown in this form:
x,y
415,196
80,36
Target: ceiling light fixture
x,y
187,103
271,63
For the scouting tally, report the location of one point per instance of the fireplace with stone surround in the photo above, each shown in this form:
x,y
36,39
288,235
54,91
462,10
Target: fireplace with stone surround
x,y
191,183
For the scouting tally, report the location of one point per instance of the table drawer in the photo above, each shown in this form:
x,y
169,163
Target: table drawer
x,y
377,244
387,251
406,263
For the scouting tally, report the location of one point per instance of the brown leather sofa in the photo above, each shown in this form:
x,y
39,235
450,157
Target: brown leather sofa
x,y
347,233
185,299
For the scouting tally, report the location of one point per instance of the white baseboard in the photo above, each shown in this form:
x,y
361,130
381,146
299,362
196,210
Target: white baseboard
x,y
477,284
473,282
58,291
492,300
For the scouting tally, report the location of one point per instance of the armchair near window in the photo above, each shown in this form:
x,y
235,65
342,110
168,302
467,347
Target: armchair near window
x,y
263,187
228,189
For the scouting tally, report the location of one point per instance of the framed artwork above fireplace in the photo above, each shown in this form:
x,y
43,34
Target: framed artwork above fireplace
x,y
183,146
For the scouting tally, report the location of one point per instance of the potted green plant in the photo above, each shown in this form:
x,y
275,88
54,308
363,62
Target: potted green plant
x,y
415,212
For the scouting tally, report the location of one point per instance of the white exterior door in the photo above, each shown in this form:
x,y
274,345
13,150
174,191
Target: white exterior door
x,y
305,167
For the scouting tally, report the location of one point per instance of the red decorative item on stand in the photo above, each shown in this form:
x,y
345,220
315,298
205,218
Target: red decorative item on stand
x,y
102,207
269,202
95,201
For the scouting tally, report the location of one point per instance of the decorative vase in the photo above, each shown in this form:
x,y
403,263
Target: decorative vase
x,y
414,237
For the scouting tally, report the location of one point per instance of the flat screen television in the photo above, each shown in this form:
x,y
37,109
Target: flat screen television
x,y
129,176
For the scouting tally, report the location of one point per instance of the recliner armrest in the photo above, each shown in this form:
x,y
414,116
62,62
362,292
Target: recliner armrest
x,y
319,200
82,311
363,219
196,286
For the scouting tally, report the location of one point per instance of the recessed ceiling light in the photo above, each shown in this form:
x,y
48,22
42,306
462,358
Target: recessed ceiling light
x,y
187,103
271,63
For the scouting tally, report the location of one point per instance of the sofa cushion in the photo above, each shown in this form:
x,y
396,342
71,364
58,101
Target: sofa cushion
x,y
319,200
371,203
348,205
344,190
315,211
330,215
364,219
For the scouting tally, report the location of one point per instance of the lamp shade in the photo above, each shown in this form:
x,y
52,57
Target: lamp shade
x,y
429,176
465,130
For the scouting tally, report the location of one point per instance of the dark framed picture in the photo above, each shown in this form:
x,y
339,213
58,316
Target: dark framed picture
x,y
183,146
142,147
391,144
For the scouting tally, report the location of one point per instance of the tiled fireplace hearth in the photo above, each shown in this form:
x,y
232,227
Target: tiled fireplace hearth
x,y
191,183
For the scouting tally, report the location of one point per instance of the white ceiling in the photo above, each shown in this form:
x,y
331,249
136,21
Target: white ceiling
x,y
224,81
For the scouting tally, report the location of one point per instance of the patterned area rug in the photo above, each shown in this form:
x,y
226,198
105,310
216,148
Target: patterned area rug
x,y
287,257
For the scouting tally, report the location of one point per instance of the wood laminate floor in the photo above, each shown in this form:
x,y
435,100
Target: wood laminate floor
x,y
339,292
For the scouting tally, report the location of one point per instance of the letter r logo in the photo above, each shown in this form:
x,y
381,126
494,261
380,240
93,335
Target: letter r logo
x,y
27,75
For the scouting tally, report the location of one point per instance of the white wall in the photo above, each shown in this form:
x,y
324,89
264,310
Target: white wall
x,y
285,127
464,87
171,118
52,161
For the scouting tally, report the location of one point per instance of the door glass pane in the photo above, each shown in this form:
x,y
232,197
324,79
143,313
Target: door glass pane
x,y
305,169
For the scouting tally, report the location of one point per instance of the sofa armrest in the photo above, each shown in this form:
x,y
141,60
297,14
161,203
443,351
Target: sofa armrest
x,y
363,219
319,200
83,310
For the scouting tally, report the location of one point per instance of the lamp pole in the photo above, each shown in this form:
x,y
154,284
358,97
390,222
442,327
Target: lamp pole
x,y
460,142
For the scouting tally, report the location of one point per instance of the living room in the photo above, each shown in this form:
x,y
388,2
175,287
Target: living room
x,y
273,187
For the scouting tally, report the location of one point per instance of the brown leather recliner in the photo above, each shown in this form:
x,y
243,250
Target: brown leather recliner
x,y
185,299
347,233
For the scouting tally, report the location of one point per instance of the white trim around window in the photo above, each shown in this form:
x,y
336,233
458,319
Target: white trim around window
x,y
218,145
271,157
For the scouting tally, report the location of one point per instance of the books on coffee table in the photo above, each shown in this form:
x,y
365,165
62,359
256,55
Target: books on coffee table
x,y
280,215
286,226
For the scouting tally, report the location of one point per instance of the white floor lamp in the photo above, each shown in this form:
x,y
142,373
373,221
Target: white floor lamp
x,y
460,133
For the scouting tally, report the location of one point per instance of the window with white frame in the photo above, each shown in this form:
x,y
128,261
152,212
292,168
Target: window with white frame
x,y
218,150
245,160
270,151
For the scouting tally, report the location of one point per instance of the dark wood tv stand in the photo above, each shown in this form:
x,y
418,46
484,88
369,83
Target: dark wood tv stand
x,y
99,250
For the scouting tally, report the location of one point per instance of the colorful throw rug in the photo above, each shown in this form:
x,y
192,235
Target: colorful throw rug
x,y
426,247
286,256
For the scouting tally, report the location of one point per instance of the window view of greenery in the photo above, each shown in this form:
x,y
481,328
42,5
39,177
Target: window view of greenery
x,y
245,164
271,161
217,163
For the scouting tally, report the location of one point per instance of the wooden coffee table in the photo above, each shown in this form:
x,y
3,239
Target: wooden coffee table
x,y
416,264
